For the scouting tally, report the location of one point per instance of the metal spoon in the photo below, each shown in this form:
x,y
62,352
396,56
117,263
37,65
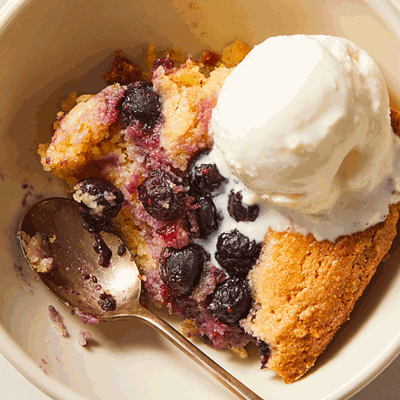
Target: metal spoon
x,y
78,279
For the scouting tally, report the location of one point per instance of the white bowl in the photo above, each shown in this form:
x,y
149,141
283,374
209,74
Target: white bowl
x,y
51,47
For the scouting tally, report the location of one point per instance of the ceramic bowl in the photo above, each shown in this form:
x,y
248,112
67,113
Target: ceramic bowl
x,y
49,48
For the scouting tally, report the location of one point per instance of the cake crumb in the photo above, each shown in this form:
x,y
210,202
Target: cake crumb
x,y
86,318
210,59
37,251
242,353
56,322
189,328
233,54
84,98
84,338
176,54
124,71
151,56
69,103
395,119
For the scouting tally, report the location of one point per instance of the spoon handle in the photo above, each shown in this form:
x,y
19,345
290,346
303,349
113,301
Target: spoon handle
x,y
229,381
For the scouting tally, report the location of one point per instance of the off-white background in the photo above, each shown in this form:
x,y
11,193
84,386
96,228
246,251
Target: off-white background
x,y
13,386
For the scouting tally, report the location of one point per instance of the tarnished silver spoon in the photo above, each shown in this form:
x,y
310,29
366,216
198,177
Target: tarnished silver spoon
x,y
78,280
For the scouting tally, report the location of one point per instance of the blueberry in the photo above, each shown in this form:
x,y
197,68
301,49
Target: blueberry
x,y
206,178
180,269
107,302
166,62
206,216
162,196
141,104
236,266
264,352
240,212
231,301
101,201
236,253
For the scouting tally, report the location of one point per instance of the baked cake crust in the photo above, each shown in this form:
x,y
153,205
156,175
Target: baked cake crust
x,y
305,289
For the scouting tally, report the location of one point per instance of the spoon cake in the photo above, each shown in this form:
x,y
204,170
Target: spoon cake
x,y
147,133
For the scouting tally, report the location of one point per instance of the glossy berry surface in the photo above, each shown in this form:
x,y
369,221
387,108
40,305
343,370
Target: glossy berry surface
x,y
180,269
236,253
107,302
206,215
166,62
239,211
206,178
141,104
161,196
231,301
101,201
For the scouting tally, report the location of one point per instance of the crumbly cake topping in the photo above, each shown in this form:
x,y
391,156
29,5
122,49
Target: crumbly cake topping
x,y
78,132
36,250
235,53
123,71
188,98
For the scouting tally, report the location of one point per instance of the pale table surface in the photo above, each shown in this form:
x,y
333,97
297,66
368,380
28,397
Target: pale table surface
x,y
14,386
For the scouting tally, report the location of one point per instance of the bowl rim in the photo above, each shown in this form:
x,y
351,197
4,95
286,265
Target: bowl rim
x,y
10,10
57,390
8,348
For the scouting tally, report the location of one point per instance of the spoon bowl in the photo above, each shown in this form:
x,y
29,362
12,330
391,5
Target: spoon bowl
x,y
76,278
98,292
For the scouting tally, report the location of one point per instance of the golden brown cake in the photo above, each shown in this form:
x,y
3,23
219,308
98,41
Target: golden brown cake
x,y
305,289
301,289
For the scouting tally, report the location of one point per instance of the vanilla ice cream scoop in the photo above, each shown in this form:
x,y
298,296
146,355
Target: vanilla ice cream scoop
x,y
303,119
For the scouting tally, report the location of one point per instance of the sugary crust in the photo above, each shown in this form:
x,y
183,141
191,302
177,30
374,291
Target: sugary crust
x,y
123,71
188,98
305,289
80,131
233,54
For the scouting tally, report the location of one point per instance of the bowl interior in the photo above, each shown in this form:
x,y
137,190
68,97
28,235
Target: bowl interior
x,y
50,48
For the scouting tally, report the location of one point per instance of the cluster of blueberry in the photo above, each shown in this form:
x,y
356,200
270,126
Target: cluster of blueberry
x,y
170,195
165,195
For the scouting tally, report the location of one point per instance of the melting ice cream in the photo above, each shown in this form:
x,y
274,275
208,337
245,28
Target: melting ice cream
x,y
304,123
